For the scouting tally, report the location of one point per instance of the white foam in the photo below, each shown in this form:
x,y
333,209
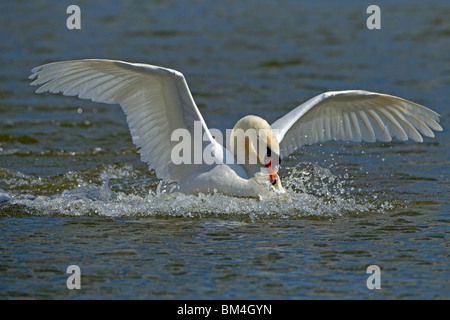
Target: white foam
x,y
311,191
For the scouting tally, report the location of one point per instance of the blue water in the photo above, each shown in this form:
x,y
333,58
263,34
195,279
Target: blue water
x,y
73,190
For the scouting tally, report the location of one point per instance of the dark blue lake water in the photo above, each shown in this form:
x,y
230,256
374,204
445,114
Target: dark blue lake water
x,y
74,192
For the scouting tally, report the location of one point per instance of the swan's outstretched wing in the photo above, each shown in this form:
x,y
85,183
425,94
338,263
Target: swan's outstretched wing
x,y
155,100
354,115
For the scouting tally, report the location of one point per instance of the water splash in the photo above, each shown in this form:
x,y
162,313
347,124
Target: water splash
x,y
121,191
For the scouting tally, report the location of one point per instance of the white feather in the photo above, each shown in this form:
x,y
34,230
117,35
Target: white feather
x,y
156,101
354,115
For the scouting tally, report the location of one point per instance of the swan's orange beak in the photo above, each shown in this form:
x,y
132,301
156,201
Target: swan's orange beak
x,y
272,169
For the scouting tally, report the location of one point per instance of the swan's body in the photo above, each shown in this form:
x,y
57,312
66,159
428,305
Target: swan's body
x,y
157,101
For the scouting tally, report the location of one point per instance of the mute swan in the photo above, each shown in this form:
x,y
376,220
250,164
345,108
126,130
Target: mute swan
x,y
157,102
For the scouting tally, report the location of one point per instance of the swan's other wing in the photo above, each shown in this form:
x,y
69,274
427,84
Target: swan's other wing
x,y
156,101
354,115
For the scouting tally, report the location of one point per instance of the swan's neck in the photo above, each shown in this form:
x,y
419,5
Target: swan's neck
x,y
253,169
253,143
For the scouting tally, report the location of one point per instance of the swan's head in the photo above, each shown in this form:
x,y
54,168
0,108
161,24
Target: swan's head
x,y
255,146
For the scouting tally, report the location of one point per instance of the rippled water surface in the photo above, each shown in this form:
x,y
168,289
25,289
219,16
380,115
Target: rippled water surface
x,y
73,190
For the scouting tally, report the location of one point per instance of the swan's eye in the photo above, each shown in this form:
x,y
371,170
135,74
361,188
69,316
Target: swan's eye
x,y
273,155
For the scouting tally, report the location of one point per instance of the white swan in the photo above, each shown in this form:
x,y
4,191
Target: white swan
x,y
157,101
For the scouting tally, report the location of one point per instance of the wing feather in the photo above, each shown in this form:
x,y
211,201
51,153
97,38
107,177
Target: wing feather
x,y
155,100
357,135
354,115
